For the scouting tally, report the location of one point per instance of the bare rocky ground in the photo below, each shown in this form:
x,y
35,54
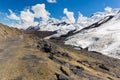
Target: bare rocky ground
x,y
30,57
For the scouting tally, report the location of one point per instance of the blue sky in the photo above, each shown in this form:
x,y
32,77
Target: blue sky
x,y
86,7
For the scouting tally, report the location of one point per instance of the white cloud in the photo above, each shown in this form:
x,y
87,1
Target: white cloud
x,y
24,25
108,9
19,26
26,17
12,15
70,15
40,12
81,18
51,1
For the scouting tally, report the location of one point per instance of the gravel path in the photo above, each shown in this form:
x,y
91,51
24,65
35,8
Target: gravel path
x,y
7,51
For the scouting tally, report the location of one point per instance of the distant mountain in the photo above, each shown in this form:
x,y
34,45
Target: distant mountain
x,y
46,51
64,26
103,38
100,32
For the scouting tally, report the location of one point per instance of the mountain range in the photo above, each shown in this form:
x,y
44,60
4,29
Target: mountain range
x,y
87,49
99,33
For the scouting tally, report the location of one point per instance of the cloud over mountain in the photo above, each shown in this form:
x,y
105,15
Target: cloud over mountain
x,y
27,17
108,9
37,13
70,15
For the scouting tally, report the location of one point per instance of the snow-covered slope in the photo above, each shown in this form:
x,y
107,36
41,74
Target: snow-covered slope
x,y
82,22
100,32
86,21
64,25
104,39
60,26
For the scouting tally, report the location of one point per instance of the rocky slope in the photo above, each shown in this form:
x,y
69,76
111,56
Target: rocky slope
x,y
7,32
31,57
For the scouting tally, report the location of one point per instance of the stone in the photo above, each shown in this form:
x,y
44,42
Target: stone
x,y
64,70
102,66
77,70
27,57
61,77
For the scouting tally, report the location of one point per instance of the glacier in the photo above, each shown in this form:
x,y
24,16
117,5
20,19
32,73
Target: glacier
x,y
104,39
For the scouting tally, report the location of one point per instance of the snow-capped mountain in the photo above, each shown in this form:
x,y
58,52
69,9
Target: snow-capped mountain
x,y
100,32
60,26
104,38
64,25
86,21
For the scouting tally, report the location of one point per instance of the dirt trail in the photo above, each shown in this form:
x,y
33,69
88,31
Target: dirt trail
x,y
21,60
7,51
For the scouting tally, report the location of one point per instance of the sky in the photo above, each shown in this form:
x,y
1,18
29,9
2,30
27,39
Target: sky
x,y
13,11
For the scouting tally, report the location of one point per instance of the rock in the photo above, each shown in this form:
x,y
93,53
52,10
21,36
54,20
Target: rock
x,y
61,77
27,57
27,46
65,70
77,70
51,50
86,63
47,48
66,55
109,78
102,66
67,65
60,62
31,57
